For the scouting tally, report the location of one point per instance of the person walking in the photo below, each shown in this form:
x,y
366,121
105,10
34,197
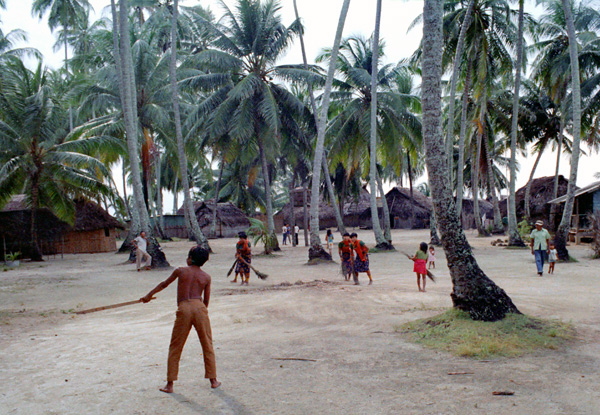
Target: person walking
x,y
141,246
296,233
539,246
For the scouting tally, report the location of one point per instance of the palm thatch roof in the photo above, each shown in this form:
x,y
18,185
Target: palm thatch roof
x,y
228,214
402,207
542,193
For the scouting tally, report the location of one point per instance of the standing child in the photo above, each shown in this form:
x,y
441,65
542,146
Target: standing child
x,y
243,254
552,258
345,249
420,267
361,262
329,239
284,234
431,257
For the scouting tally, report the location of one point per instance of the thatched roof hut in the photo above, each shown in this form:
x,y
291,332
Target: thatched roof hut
x,y
486,209
230,218
402,207
94,230
542,192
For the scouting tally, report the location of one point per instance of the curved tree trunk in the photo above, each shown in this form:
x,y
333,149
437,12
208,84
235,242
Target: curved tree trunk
x,y
472,291
455,67
380,239
461,142
189,213
130,116
213,223
475,162
268,197
434,239
497,228
530,181
514,238
316,249
554,207
313,104
562,232
387,226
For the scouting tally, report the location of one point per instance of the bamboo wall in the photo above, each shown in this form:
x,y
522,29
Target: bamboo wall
x,y
89,242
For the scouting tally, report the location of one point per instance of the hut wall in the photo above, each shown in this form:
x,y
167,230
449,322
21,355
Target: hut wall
x,y
175,226
88,242
596,200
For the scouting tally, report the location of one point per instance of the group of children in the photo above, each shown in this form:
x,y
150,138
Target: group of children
x,y
353,265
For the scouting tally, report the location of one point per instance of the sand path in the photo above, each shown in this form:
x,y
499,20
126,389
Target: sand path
x,y
114,361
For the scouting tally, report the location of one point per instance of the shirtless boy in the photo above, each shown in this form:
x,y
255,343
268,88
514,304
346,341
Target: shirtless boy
x,y
192,310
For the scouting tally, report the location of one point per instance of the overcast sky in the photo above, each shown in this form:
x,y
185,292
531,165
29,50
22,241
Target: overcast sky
x,y
320,20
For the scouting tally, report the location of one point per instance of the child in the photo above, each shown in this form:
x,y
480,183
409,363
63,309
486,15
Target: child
x,y
243,253
361,261
420,267
329,239
431,257
552,257
346,249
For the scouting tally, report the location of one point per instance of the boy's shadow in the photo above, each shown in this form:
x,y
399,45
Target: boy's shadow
x,y
234,406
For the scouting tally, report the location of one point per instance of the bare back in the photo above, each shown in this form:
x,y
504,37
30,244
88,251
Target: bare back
x,y
192,284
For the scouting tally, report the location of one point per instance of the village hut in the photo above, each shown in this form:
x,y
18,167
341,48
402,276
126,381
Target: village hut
x,y
230,219
402,207
357,210
541,193
586,203
93,231
486,210
326,212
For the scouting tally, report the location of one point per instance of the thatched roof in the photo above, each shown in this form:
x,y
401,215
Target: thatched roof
x,y
401,204
358,206
485,208
542,192
592,188
227,213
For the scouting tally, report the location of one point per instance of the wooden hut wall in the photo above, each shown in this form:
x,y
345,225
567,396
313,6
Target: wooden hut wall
x,y
88,242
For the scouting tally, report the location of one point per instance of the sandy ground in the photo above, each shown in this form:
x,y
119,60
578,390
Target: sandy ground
x,y
114,361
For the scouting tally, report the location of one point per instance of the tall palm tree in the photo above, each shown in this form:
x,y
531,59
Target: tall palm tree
x,y
472,290
36,156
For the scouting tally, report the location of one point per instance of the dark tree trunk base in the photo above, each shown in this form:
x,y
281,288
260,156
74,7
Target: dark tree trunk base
x,y
385,246
316,255
435,240
498,231
483,300
516,243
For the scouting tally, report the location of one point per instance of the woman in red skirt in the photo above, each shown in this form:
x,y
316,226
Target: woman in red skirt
x,y
420,267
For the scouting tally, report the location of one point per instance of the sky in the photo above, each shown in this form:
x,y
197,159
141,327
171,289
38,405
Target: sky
x,y
320,19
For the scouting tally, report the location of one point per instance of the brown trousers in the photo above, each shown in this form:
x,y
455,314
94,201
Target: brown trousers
x,y
191,313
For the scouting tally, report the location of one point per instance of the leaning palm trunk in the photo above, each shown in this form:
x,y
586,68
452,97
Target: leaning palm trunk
x,y
313,104
554,206
562,232
380,239
514,238
130,116
213,223
530,181
387,226
472,291
497,228
460,173
455,68
190,216
316,249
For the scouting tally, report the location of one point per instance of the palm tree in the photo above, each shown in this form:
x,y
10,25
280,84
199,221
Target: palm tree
x,y
36,156
472,291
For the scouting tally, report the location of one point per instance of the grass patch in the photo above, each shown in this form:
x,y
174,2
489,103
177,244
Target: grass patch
x,y
516,335
376,250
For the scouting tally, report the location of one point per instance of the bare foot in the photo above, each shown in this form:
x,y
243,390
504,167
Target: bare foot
x,y
147,268
370,282
168,388
139,270
234,282
214,383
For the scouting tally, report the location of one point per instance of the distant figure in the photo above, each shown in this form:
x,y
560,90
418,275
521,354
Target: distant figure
x,y
420,267
329,239
539,246
431,258
552,258
243,253
361,262
284,234
193,295
345,249
141,245
296,233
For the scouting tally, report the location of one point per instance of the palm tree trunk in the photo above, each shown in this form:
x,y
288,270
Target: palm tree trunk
x,y
125,200
514,238
455,68
497,228
292,212
36,253
313,104
461,142
269,205
305,211
530,181
410,189
387,226
434,239
475,185
190,216
131,117
175,195
554,206
472,291
316,249
382,243
213,224
562,232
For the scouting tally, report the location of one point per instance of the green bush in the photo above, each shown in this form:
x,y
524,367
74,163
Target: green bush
x,y
258,231
524,230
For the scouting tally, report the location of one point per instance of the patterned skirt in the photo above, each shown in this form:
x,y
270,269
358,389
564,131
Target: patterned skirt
x,y
346,263
361,266
242,268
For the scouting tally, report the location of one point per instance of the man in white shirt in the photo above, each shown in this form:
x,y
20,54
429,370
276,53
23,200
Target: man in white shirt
x,y
296,233
539,246
141,244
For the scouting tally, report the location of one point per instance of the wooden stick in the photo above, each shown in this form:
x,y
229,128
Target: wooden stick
x,y
259,274
294,358
232,267
460,373
108,307
503,393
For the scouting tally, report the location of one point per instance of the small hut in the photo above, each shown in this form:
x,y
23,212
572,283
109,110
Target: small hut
x,y
402,207
486,209
93,231
230,218
542,192
587,202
